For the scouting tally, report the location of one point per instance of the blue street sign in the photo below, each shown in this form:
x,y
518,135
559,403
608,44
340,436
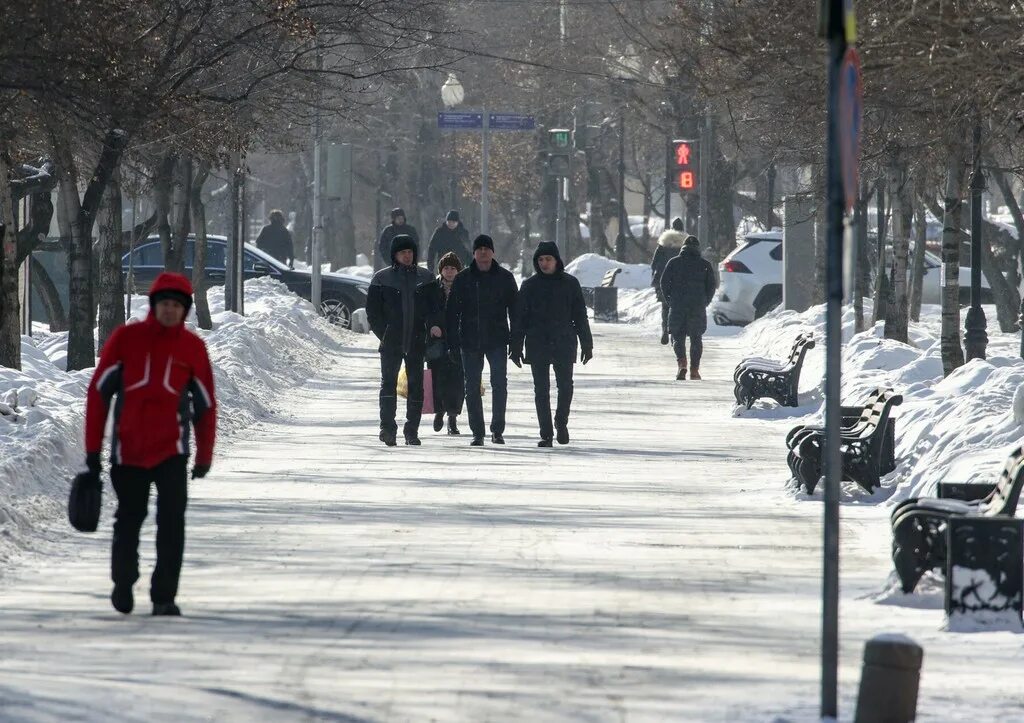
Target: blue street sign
x,y
511,122
460,121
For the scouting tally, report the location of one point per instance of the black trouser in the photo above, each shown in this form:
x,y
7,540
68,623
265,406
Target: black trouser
x,y
542,394
132,487
449,387
664,317
390,365
696,347
473,364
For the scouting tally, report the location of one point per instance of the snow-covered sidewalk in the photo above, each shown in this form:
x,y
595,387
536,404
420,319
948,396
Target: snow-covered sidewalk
x,y
656,569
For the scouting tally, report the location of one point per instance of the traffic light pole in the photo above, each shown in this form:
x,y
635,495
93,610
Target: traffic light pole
x,y
484,162
560,215
669,180
703,224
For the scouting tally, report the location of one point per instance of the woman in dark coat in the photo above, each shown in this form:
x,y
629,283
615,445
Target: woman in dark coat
x,y
446,371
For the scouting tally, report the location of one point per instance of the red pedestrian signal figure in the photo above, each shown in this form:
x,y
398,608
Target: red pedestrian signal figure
x,y
686,165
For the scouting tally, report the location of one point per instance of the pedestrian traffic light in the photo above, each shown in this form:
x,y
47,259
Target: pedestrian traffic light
x,y
559,139
684,161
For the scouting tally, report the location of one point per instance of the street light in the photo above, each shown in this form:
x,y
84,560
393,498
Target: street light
x,y
976,337
452,92
626,68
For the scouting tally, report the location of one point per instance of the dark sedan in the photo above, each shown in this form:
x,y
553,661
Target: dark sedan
x,y
340,294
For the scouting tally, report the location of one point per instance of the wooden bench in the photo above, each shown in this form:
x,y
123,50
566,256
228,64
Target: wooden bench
x,y
920,526
606,298
756,377
862,445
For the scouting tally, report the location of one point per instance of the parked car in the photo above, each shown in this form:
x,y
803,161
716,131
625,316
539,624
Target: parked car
x,y
751,280
340,294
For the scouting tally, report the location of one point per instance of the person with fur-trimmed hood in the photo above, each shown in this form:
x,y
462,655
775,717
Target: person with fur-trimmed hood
x,y
447,377
398,316
669,243
550,316
397,227
688,285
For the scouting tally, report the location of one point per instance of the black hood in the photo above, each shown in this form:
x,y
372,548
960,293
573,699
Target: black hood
x,y
401,242
396,212
547,248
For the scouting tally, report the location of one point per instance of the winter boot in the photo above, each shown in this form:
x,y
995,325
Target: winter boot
x,y
695,373
453,428
166,609
664,338
122,599
439,421
562,435
411,440
544,443
477,442
388,438
496,438
681,374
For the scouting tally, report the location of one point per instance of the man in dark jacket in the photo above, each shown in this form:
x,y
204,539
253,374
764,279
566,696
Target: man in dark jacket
x,y
398,316
479,309
276,239
450,237
161,375
669,243
688,285
550,316
397,227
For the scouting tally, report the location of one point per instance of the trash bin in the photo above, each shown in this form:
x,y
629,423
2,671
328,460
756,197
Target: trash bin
x,y
606,304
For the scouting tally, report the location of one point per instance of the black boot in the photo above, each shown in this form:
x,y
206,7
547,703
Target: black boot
x,y
477,442
496,438
544,443
166,609
562,435
411,440
438,421
453,428
122,599
388,438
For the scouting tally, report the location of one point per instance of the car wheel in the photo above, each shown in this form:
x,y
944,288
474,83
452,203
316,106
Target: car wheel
x,y
763,306
337,312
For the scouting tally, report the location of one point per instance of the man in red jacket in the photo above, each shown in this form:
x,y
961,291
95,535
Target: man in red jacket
x,y
161,375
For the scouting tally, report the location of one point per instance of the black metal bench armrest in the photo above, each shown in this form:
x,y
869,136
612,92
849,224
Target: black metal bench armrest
x,y
967,491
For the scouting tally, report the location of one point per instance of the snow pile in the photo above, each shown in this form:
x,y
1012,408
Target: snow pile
x,y
278,344
364,271
957,429
591,268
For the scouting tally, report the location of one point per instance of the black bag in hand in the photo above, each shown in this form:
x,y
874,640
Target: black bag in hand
x,y
436,350
84,502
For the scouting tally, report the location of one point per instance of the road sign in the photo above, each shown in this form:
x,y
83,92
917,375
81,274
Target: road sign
x,y
511,122
851,101
470,121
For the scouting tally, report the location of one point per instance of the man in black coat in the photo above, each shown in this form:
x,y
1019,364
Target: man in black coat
x,y
669,243
276,239
450,237
550,316
481,304
688,285
398,316
397,227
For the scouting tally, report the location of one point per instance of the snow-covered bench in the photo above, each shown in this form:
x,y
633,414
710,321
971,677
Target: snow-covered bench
x,y
862,445
938,532
756,377
604,299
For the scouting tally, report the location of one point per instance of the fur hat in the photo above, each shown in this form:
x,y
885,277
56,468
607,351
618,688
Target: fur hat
x,y
449,259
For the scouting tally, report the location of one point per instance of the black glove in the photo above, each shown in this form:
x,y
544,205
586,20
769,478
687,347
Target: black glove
x,y
200,470
516,357
586,355
93,464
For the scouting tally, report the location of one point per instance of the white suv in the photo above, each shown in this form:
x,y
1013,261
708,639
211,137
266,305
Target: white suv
x,y
751,279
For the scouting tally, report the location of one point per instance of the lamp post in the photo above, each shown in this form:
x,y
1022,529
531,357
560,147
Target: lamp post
x,y
976,337
626,68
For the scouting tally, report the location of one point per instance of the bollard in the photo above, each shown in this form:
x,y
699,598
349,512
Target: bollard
x,y
889,680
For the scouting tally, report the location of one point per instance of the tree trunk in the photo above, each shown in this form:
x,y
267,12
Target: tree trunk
x,y
202,304
110,292
181,179
878,310
896,314
917,272
48,292
10,308
1018,221
863,278
952,351
1005,296
820,246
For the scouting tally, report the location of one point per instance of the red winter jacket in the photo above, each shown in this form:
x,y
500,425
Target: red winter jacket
x,y
163,380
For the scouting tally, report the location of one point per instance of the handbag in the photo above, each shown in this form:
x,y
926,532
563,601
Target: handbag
x,y
437,349
84,502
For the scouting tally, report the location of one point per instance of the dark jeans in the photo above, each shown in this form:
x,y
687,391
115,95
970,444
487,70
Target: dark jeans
x,y
449,387
132,487
473,365
390,365
542,394
696,348
664,317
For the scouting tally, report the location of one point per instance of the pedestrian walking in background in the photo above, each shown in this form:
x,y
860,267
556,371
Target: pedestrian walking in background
x,y
397,227
398,314
550,316
669,243
276,239
688,285
161,374
450,237
446,375
480,307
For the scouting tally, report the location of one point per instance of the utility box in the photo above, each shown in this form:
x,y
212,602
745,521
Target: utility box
x,y
798,253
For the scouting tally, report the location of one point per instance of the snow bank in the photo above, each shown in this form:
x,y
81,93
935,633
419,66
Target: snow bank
x,y
278,344
591,268
959,428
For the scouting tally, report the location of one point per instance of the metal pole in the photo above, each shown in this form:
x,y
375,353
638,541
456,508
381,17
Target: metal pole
x,y
704,149
131,260
243,233
26,274
835,33
485,160
560,214
976,337
318,221
620,238
231,262
669,180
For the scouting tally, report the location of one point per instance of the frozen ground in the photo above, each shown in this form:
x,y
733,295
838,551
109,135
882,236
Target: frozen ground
x,y
657,569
